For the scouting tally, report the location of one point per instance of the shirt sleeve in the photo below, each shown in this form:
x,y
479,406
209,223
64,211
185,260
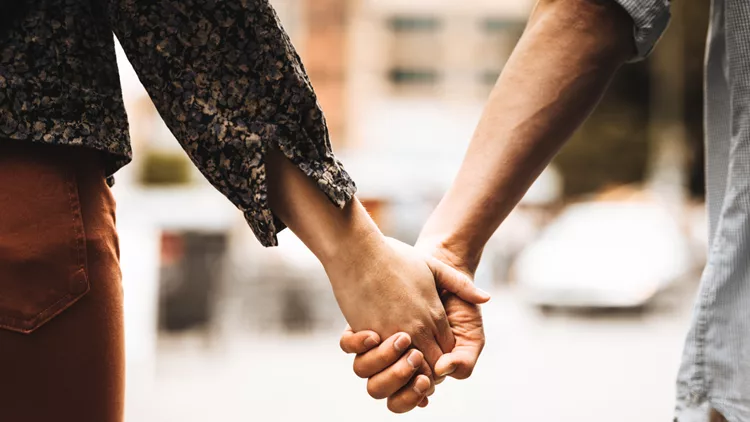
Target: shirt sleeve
x,y
650,19
227,81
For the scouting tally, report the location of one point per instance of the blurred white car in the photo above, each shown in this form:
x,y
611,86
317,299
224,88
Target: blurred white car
x,y
604,254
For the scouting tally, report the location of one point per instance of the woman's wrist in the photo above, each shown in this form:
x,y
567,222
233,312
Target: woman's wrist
x,y
354,238
335,235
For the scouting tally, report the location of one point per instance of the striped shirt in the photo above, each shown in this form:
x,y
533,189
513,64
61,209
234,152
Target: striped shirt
x,y
715,370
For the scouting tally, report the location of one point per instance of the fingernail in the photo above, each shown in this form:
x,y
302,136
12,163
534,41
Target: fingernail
x,y
451,369
414,359
370,342
401,343
421,385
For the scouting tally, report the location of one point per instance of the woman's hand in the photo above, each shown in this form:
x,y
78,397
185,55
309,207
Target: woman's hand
x,y
386,366
380,284
386,286
393,370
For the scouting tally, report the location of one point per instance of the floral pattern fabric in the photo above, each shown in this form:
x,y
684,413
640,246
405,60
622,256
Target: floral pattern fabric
x,y
223,75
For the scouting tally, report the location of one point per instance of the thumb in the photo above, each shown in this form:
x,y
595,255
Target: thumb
x,y
456,282
458,364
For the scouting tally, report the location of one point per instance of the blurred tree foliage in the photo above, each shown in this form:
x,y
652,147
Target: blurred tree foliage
x,y
612,146
165,169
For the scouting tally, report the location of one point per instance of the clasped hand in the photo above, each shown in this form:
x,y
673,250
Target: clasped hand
x,y
425,306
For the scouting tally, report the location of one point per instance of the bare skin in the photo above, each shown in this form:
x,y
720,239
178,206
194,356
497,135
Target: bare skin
x,y
380,284
556,75
716,417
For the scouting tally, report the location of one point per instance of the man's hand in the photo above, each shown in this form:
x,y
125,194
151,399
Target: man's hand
x,y
456,274
387,366
468,329
386,287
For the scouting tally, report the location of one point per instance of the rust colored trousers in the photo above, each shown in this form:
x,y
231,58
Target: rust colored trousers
x,y
61,323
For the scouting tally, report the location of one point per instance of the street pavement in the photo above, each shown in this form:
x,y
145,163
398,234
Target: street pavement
x,y
587,366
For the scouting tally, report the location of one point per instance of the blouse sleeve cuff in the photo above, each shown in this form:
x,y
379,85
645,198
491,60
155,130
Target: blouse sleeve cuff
x,y
315,160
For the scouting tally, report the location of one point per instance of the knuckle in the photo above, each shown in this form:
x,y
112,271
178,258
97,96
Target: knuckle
x,y
343,345
396,407
387,358
360,369
403,372
438,314
461,283
375,391
421,330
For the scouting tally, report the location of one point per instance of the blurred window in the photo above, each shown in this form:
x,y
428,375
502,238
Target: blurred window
x,y
414,57
413,76
414,24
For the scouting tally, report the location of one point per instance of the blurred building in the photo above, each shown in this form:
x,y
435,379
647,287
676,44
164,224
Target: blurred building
x,y
361,53
402,83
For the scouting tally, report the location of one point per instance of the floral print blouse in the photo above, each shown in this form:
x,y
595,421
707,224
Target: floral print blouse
x,y
223,75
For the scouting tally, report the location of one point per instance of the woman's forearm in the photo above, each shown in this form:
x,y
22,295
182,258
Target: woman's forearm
x,y
380,284
333,234
554,78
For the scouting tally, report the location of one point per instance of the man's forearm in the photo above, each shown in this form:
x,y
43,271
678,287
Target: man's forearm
x,y
554,78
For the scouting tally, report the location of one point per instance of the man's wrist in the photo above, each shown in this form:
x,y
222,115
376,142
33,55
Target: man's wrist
x,y
451,250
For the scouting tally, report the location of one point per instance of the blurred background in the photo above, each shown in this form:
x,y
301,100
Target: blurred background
x,y
593,275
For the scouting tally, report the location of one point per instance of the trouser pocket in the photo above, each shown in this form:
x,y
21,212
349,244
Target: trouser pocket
x,y
42,240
